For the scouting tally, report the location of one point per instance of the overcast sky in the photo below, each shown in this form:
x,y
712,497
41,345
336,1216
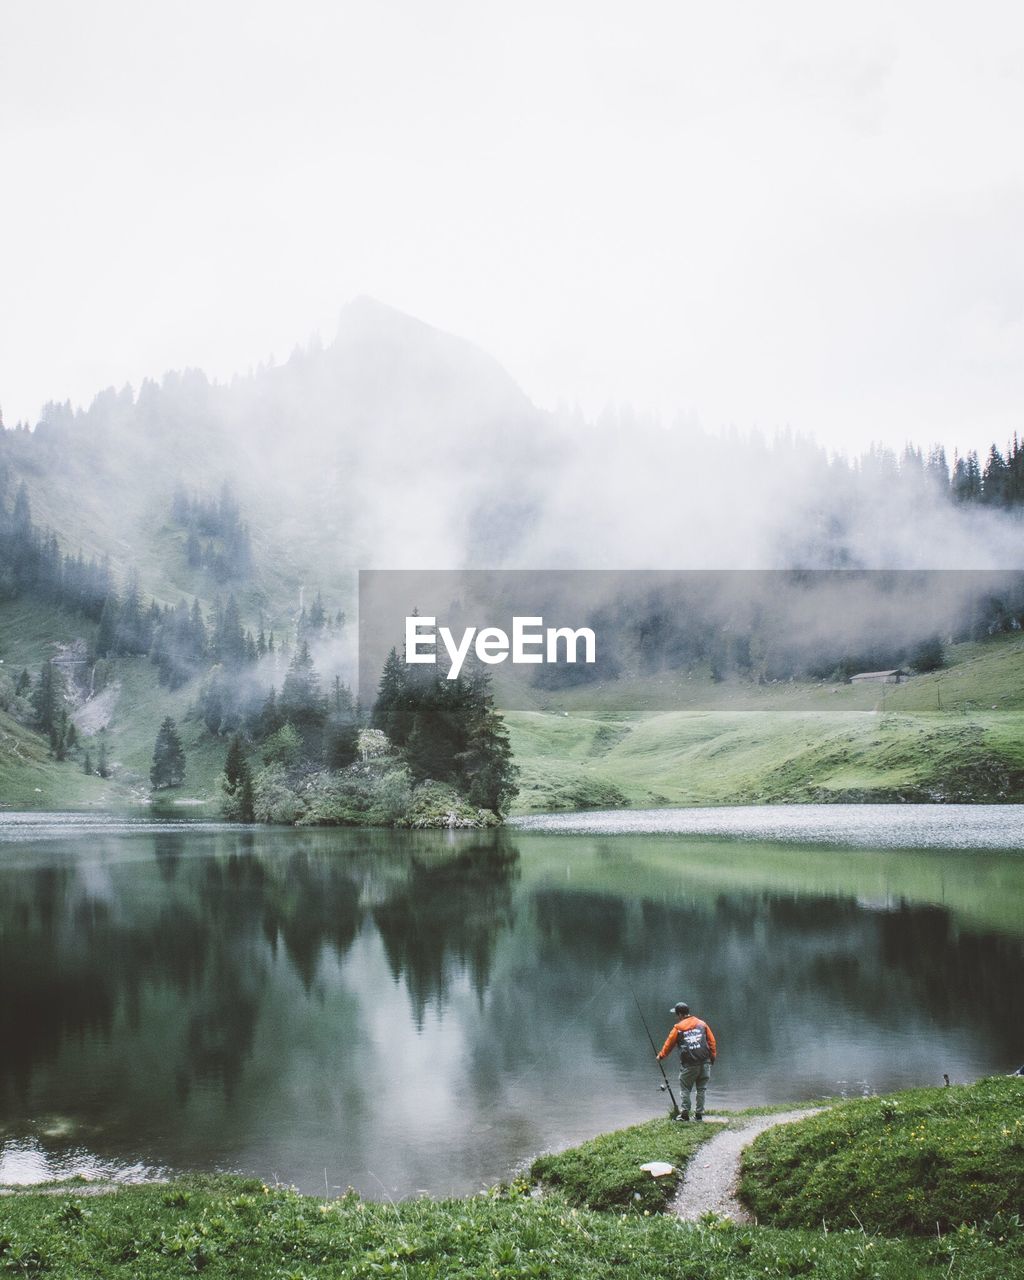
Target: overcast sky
x,y
805,214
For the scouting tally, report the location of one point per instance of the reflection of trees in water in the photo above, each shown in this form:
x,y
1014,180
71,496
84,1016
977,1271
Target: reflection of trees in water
x,y
220,1030
72,963
78,962
41,999
180,956
776,975
979,975
448,912
321,906
592,927
168,847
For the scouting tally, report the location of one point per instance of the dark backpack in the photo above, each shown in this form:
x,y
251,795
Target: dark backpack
x,y
693,1044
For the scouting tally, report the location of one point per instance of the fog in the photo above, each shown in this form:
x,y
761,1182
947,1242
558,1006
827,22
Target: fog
x,y
399,446
766,625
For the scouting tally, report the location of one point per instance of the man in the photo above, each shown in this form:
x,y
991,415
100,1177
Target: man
x,y
697,1051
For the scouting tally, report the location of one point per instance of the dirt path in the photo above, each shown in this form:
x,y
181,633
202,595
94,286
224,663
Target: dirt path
x,y
709,1184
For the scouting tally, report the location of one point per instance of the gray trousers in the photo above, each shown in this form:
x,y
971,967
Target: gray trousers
x,y
690,1074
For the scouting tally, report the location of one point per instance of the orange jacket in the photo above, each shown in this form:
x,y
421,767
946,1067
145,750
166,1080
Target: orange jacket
x,y
685,1025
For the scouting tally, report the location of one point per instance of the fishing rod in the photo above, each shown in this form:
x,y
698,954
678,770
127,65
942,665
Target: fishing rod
x,y
675,1105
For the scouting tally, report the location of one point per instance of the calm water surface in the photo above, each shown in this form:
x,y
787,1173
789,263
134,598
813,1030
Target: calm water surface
x,y
426,1011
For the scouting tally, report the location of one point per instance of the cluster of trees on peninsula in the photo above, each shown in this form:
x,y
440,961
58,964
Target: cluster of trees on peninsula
x,y
447,729
434,752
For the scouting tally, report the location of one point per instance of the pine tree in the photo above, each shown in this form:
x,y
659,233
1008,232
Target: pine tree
x,y
234,764
995,479
134,627
87,762
301,703
246,799
59,737
341,698
457,736
269,720
487,771
106,636
168,768
237,782
48,698
392,711
341,732
102,765
197,629
230,639
317,614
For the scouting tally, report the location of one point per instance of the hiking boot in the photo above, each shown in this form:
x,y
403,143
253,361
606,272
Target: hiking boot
x,y
683,1115
699,1115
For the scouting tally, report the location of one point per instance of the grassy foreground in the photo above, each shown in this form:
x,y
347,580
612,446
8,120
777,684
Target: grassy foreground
x,y
862,1159
912,1163
605,1173
241,1229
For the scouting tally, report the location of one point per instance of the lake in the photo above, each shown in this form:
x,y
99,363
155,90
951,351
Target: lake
x,y
406,1012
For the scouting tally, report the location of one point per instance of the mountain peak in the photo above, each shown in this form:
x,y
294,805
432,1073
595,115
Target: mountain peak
x,y
385,342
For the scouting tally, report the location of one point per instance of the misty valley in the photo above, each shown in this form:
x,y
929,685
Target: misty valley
x,y
279,897
179,623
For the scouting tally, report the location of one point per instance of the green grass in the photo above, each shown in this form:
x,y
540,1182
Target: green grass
x,y
978,676
777,1108
981,676
239,1229
681,740
140,706
920,1161
29,631
750,757
31,779
605,1173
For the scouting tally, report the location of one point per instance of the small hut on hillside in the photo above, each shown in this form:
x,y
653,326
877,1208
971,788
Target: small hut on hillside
x,y
896,676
